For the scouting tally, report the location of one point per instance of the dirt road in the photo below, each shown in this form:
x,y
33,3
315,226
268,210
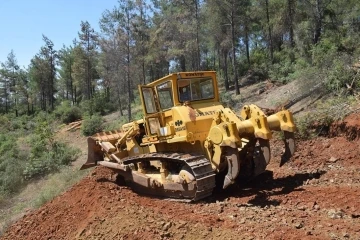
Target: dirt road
x,y
316,196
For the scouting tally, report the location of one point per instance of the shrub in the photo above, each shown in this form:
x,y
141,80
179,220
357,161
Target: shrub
x,y
313,124
137,115
115,125
23,122
67,113
55,156
284,66
319,121
102,105
92,125
46,154
86,107
99,104
5,124
339,74
323,54
258,58
226,99
11,164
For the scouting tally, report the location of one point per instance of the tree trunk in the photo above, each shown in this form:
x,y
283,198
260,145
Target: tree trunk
x,y
119,99
197,35
16,106
219,57
128,79
129,100
71,84
291,9
225,69
88,69
52,81
28,107
43,100
6,98
182,63
143,72
75,100
151,73
271,47
246,40
237,90
318,21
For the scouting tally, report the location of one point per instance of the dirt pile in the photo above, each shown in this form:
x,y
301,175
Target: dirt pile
x,y
349,127
315,196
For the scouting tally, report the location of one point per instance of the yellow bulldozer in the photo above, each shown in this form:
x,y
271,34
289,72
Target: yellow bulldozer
x,y
187,142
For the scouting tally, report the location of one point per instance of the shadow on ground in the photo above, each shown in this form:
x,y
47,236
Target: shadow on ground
x,y
259,189
263,187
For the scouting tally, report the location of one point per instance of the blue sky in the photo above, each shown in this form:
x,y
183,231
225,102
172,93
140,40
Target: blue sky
x,y
22,23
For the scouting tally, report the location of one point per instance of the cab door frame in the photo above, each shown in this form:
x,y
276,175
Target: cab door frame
x,y
154,113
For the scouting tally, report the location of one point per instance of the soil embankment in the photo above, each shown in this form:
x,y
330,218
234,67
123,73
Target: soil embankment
x,y
315,196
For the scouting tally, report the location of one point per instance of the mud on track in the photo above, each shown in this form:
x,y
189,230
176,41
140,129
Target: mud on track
x,y
316,196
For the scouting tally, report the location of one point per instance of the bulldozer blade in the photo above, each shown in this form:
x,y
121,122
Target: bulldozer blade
x,y
290,147
233,166
94,154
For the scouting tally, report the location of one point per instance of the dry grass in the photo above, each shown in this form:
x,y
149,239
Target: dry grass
x,y
38,193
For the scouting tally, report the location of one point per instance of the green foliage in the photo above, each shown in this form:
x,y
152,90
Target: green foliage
x,y
42,72
47,155
283,66
67,113
23,122
340,74
87,107
115,125
283,39
259,60
5,124
44,116
307,126
334,65
91,125
36,155
99,104
227,100
137,115
39,193
323,54
318,121
102,104
11,164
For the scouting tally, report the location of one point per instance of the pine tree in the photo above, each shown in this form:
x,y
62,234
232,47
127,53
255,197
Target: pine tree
x,y
88,42
9,77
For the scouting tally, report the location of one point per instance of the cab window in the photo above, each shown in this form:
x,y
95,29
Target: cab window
x,y
148,95
165,95
195,89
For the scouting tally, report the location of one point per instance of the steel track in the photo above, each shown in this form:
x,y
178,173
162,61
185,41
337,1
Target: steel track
x,y
199,164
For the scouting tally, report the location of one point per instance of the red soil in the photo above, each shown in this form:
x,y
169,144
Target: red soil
x,y
315,196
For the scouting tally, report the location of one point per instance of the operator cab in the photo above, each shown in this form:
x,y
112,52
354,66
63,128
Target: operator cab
x,y
159,97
